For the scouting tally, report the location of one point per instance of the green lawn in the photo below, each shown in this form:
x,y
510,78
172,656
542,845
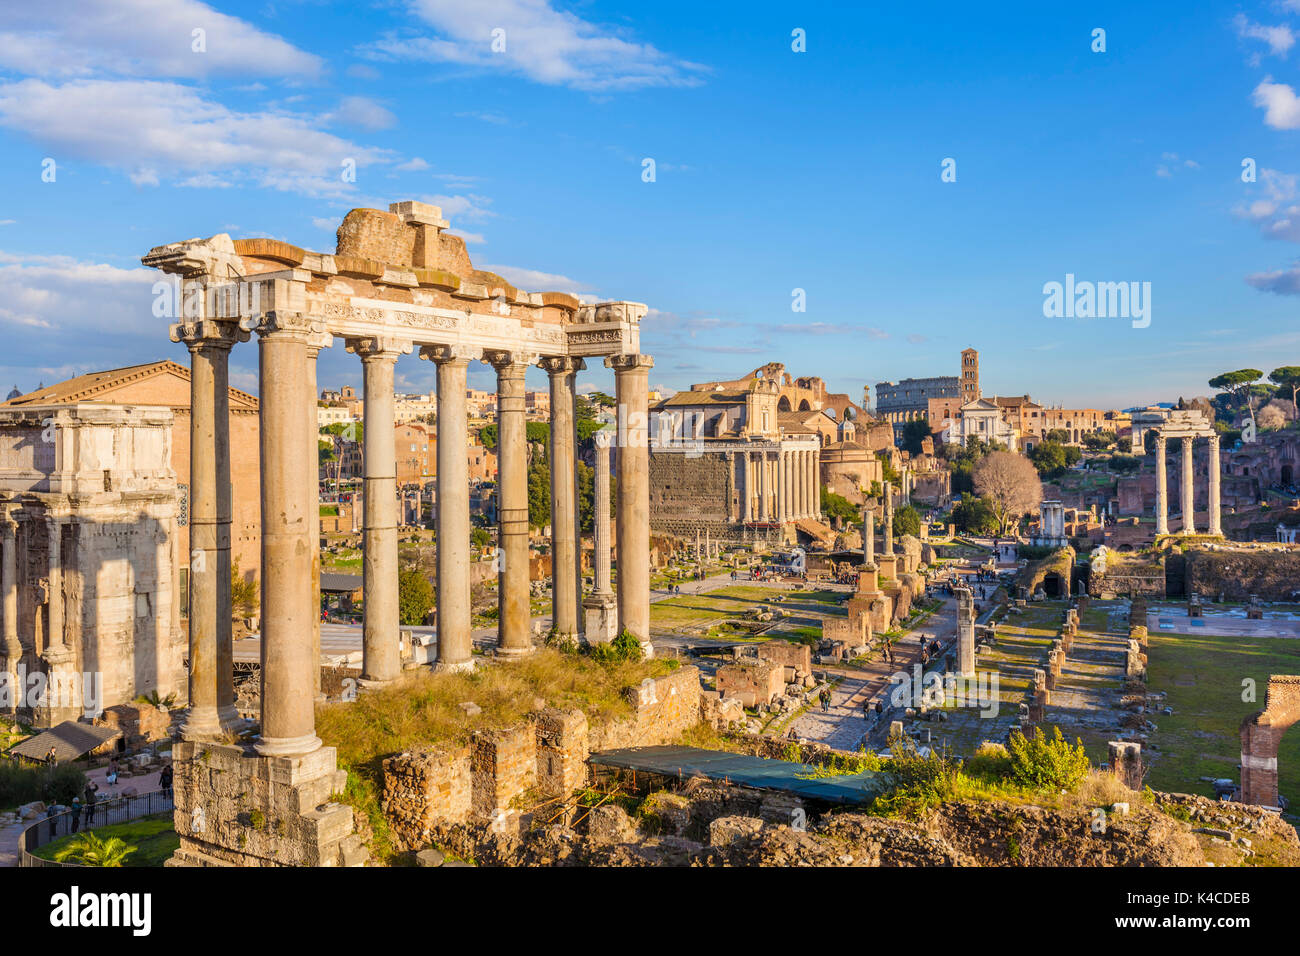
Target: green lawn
x,y
1202,674
153,837
736,600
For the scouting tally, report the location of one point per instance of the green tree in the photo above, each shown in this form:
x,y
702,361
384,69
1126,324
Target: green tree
x,y
973,515
1059,435
1239,385
539,494
414,596
1099,440
915,431
1287,377
488,436
837,506
887,471
907,520
1049,458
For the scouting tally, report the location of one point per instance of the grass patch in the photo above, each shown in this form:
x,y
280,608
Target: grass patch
x,y
1202,675
153,840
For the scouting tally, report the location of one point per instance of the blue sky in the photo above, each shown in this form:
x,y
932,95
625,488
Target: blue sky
x,y
775,170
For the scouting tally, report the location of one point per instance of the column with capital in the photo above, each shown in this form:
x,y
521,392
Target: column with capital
x,y
1162,489
381,659
11,649
1216,527
747,499
889,520
211,648
1189,493
61,701
782,485
631,381
564,556
455,644
288,687
513,612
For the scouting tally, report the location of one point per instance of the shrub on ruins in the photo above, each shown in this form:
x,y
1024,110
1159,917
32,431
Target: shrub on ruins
x,y
620,650
914,782
57,784
837,506
1039,763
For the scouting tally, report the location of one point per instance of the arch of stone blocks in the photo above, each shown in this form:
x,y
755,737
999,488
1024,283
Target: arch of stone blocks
x,y
1260,735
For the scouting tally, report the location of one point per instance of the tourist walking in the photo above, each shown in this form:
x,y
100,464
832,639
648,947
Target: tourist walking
x,y
91,789
165,780
76,814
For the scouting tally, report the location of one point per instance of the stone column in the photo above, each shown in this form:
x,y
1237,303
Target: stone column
x,y
1189,497
11,649
783,486
1162,489
211,649
601,624
455,643
889,520
631,380
564,520
965,633
1216,528
60,659
314,345
513,615
747,500
868,538
764,486
288,687
381,658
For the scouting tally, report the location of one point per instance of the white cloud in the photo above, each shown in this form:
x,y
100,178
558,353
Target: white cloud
x,y
64,294
468,206
541,43
1279,282
63,38
413,165
1280,38
359,71
1281,108
151,129
533,280
364,113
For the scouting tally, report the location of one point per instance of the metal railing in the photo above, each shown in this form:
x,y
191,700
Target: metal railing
x,y
107,811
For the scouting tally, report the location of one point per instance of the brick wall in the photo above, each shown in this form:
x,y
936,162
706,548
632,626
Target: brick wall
x,y
423,789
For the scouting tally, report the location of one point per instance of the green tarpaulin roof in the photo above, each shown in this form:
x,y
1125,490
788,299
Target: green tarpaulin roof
x,y
741,769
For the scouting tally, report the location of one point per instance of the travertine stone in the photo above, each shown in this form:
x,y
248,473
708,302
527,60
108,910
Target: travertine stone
x,y
631,381
381,653
455,645
513,616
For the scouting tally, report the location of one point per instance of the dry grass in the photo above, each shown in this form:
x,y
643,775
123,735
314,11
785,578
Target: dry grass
x,y
1101,788
424,709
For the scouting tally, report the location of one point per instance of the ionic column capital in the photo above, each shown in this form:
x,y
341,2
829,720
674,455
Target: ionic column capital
x,y
629,362
208,333
561,364
450,354
382,348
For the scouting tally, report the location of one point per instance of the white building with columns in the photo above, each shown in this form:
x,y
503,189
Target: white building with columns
x,y
721,464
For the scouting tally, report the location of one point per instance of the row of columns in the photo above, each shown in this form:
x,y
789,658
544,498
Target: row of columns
x,y
1188,493
780,485
288,346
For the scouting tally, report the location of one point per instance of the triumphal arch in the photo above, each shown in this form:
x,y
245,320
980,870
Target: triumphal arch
x,y
397,283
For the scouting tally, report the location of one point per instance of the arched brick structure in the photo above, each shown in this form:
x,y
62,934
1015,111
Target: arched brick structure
x,y
1260,736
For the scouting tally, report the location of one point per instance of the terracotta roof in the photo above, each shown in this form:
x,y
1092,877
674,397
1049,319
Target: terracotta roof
x,y
93,386
703,398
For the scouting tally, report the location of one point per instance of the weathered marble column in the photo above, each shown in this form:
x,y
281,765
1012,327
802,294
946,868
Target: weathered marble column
x,y
1189,488
1162,489
211,647
868,538
513,615
314,345
601,608
288,685
764,487
631,381
455,640
1216,527
889,520
60,658
11,649
564,557
381,659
